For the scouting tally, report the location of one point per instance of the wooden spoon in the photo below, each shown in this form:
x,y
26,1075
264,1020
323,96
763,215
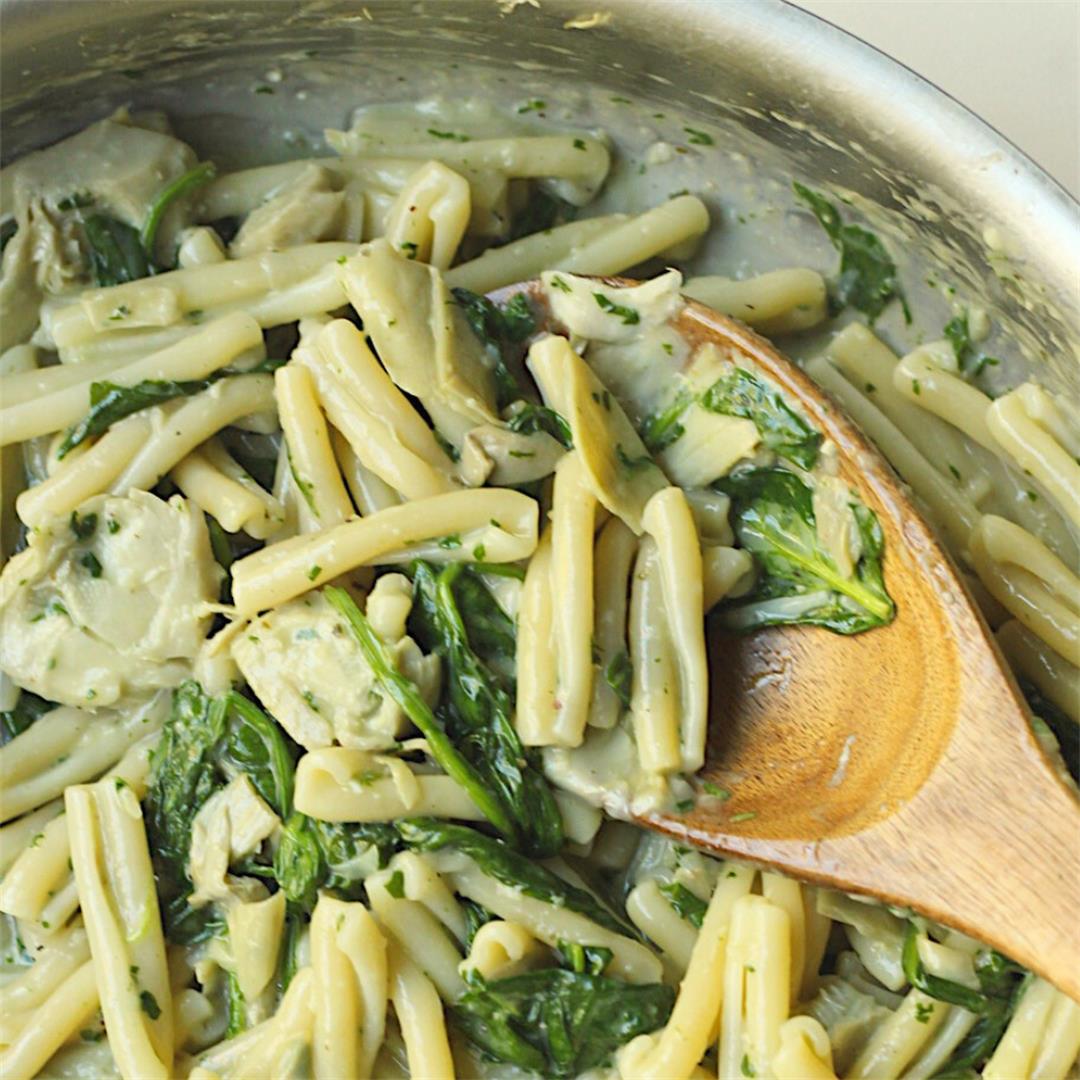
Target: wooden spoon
x,y
898,763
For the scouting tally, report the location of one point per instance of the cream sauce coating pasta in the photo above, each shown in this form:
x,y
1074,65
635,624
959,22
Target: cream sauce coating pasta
x,y
348,617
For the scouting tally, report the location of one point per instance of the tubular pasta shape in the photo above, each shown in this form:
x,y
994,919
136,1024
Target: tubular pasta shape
x,y
682,1043
430,215
1030,429
68,746
502,949
37,885
668,520
194,357
420,1014
654,697
235,502
631,242
804,1052
54,1021
282,571
1052,675
613,561
924,378
535,715
341,784
526,258
779,302
900,1038
1020,1044
419,934
111,859
165,298
1032,583
191,423
630,959
649,910
757,985
89,474
370,493
308,449
949,508
573,518
348,953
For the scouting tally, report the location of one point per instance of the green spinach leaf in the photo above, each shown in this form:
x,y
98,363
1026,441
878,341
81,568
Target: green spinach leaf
x,y
772,515
181,186
559,1023
868,280
663,427
28,709
110,402
480,709
969,359
529,419
502,330
934,985
452,761
498,860
205,743
688,905
739,393
314,855
116,251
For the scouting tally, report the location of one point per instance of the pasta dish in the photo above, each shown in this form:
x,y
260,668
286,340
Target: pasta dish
x,y
354,607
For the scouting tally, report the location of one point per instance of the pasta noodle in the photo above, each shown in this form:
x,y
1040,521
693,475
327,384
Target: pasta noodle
x,y
353,620
112,868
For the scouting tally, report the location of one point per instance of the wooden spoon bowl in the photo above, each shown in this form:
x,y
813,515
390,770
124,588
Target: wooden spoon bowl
x,y
898,763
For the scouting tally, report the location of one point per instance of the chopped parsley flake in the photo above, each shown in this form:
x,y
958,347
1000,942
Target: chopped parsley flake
x,y
83,527
395,886
451,541
628,315
314,572
699,138
579,144
451,135
558,283
715,791
89,562
629,463
148,1004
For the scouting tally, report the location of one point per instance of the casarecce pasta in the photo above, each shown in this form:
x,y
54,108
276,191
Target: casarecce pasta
x,y
348,617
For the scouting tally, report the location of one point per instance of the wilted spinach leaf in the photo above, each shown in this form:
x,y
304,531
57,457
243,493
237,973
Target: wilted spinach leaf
x,y
868,279
314,855
739,393
559,1023
507,866
772,515
688,905
28,709
401,690
116,250
479,707
502,330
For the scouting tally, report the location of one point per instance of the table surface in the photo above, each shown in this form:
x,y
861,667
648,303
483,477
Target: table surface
x,y
1014,62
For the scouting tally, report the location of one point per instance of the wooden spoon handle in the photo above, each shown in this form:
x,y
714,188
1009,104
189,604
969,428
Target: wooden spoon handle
x,y
999,847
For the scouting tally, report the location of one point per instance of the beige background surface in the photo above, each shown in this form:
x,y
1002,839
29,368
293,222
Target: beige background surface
x,y
1014,62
